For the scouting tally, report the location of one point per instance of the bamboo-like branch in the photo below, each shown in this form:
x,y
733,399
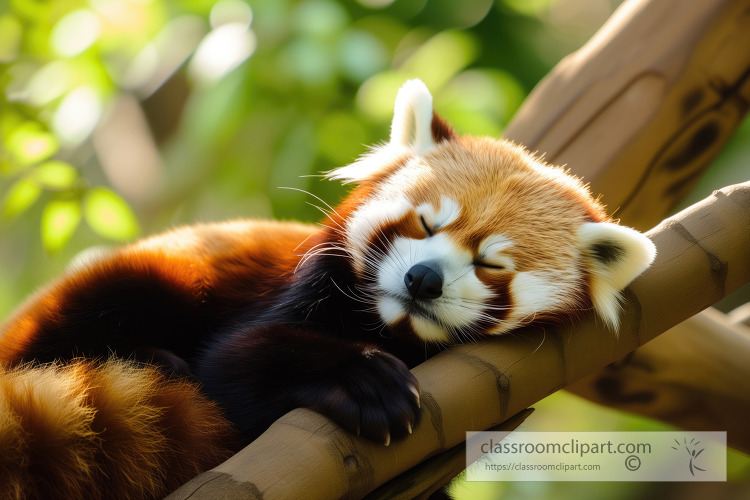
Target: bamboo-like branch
x,y
420,482
682,377
704,254
740,316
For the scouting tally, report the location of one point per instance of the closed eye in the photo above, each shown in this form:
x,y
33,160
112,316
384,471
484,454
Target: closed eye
x,y
486,265
426,227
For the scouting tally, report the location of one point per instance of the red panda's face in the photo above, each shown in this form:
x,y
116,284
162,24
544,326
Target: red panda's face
x,y
475,237
454,238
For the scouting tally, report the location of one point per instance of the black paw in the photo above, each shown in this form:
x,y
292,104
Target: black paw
x,y
374,395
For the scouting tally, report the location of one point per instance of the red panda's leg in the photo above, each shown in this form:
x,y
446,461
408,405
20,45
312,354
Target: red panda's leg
x,y
259,374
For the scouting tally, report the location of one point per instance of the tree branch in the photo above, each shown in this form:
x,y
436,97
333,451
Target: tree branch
x,y
642,109
691,376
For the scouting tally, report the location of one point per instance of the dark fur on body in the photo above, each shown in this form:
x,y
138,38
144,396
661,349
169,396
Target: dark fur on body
x,y
259,336
259,355
314,347
266,341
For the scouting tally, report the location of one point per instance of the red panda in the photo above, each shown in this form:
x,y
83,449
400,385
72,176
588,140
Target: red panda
x,y
444,239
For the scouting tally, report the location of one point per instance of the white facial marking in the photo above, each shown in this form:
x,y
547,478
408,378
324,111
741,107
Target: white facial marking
x,y
390,310
491,251
462,301
387,205
533,293
428,330
448,212
536,292
368,218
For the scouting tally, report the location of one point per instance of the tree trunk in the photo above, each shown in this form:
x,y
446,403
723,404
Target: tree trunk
x,y
643,108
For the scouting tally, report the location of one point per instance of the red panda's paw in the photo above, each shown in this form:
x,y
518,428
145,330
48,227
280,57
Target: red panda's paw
x,y
374,396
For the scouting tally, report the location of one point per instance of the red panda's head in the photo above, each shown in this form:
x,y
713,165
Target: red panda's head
x,y
455,237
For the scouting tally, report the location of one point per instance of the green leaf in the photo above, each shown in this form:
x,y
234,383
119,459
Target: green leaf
x,y
31,144
19,198
60,219
54,175
454,49
11,32
109,215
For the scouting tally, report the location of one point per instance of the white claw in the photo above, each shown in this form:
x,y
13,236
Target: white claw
x,y
388,439
416,395
409,428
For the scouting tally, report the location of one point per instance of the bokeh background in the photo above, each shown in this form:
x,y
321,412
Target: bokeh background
x,y
121,118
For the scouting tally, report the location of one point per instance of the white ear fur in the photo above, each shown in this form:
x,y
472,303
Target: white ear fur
x,y
616,255
411,132
412,118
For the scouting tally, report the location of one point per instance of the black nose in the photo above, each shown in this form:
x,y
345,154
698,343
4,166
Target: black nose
x,y
423,282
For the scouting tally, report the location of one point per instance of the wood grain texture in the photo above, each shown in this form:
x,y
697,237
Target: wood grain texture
x,y
642,109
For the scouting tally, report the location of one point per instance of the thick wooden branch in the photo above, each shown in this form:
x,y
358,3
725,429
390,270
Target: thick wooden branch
x,y
420,482
740,316
642,109
704,253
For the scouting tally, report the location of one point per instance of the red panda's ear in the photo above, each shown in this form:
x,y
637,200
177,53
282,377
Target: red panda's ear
x,y
415,129
411,127
615,255
415,125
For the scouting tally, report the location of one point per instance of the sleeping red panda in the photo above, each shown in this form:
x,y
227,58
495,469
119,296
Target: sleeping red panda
x,y
444,239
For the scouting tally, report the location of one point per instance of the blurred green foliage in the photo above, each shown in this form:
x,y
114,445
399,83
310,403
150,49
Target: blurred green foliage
x,y
120,118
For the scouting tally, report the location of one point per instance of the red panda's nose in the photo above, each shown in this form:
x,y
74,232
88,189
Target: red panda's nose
x,y
423,282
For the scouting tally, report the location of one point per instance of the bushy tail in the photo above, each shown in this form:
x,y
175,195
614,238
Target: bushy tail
x,y
113,429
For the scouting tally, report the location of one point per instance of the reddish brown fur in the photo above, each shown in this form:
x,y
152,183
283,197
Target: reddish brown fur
x,y
501,189
123,430
110,430
223,266
441,131
471,169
